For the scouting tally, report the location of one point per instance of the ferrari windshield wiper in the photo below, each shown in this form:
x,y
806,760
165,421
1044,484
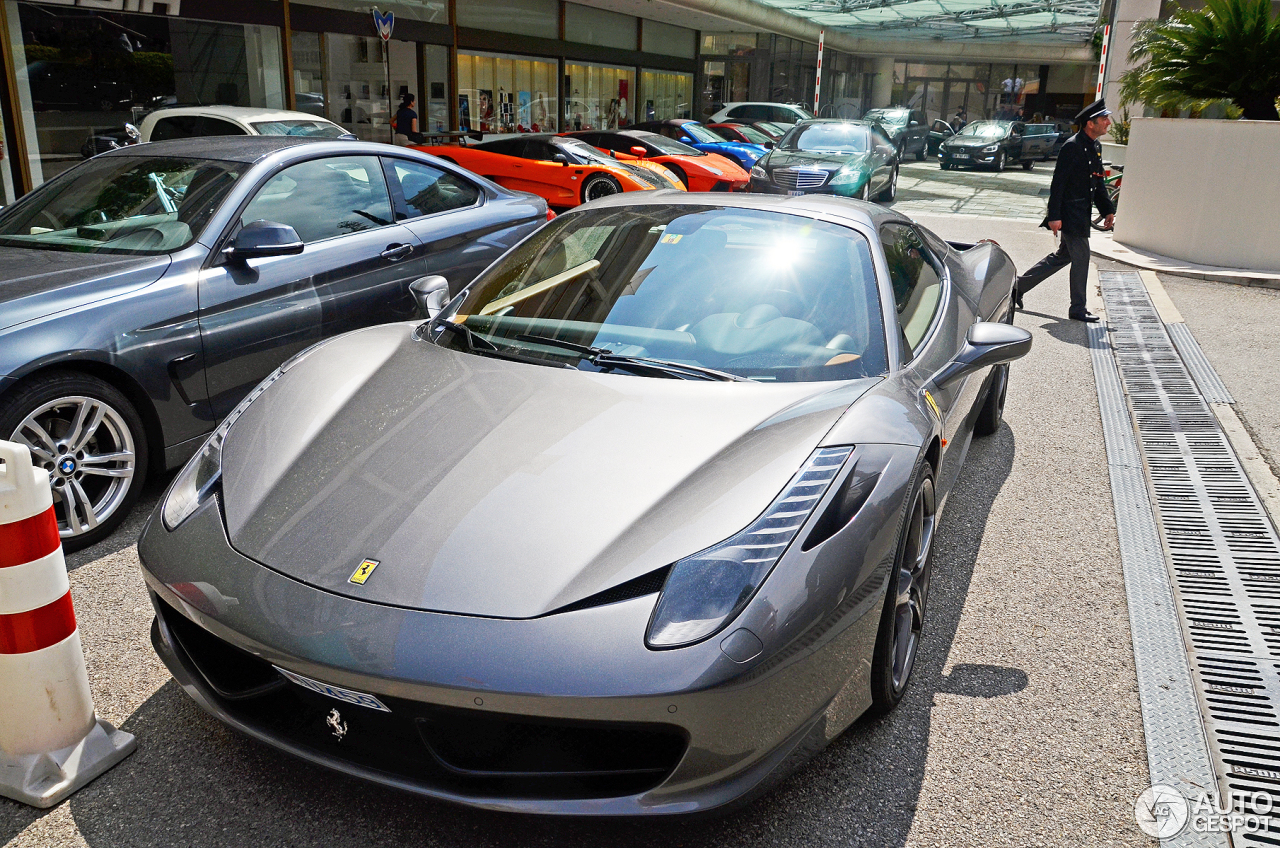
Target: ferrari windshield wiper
x,y
603,358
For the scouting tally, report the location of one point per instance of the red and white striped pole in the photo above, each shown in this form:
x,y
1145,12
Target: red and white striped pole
x,y
817,77
1102,65
51,742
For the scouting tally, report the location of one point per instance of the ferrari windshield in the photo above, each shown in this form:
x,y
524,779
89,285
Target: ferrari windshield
x,y
983,129
586,154
121,204
753,135
702,291
829,138
700,134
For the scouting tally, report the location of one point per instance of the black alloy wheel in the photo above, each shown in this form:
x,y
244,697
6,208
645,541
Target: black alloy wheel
x,y
90,439
597,186
891,190
902,621
921,153
992,412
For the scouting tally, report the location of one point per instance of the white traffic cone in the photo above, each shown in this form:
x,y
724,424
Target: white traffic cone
x,y
51,743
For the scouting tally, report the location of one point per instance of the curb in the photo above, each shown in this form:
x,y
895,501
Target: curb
x,y
1103,244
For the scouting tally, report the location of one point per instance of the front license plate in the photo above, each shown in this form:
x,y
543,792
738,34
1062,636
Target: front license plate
x,y
961,155
794,193
347,696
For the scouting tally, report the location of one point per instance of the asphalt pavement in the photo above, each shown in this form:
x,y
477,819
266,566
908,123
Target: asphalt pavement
x,y
1021,726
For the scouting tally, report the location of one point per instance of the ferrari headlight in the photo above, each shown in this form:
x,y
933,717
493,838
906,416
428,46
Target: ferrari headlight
x,y
197,479
716,171
705,591
757,173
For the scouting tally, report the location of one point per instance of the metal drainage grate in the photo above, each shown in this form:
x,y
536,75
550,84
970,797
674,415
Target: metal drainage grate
x,y
1220,546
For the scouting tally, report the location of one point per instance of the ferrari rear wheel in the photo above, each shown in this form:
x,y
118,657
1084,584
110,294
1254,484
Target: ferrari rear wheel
x,y
992,412
597,186
902,621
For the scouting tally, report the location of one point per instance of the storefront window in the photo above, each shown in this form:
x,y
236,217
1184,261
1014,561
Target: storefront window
x,y
434,114
599,97
503,94
85,72
429,11
664,94
357,95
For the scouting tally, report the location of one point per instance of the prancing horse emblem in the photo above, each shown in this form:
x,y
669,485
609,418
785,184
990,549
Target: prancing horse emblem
x,y
336,724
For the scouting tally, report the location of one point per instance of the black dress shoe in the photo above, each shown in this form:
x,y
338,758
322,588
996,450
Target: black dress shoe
x,y
1087,317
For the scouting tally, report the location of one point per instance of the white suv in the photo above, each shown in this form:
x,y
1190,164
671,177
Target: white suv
x,y
749,113
192,121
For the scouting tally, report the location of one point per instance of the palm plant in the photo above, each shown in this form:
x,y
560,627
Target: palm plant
x,y
1229,50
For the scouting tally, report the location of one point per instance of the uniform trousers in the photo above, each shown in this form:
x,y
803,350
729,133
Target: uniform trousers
x,y
1073,251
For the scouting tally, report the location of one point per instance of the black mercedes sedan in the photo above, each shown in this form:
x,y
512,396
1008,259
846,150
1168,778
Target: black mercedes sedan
x,y
144,292
825,156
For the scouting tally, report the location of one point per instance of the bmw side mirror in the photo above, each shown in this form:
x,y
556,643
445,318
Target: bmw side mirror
x,y
431,294
988,343
260,239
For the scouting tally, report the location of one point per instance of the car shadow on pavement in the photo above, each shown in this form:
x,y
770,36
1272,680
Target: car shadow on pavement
x,y
194,782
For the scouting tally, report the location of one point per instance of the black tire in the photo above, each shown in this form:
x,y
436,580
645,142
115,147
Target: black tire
x,y
890,191
96,500
1028,164
998,164
921,153
680,174
902,620
944,166
865,194
597,186
992,412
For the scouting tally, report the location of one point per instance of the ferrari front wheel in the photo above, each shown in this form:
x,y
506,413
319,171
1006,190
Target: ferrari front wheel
x,y
597,186
680,175
902,620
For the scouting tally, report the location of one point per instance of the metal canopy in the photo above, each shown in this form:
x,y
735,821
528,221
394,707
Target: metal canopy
x,y
1047,21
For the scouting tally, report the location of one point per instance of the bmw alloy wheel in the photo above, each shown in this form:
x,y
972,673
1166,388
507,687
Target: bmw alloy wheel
x,y
88,447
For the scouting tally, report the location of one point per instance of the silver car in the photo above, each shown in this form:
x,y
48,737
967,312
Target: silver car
x,y
635,524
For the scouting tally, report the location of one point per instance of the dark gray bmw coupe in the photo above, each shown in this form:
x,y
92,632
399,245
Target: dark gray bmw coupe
x,y
635,524
144,292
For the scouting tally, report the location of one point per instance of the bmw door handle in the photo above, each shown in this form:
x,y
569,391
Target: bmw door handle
x,y
396,252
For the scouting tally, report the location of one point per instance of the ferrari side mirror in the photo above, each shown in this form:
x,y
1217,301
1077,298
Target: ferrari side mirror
x,y
561,158
431,294
988,343
638,151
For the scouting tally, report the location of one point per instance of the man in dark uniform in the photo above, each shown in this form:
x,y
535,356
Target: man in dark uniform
x,y
1078,183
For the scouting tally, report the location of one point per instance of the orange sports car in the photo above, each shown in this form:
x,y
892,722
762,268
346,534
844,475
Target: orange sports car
x,y
698,171
564,171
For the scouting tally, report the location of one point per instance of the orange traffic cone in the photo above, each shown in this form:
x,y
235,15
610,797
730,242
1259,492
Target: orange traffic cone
x,y
51,742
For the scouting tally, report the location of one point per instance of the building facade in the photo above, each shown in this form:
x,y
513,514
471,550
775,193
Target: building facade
x,y
76,69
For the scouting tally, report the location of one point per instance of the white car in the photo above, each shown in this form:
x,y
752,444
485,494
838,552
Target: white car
x,y
192,121
749,113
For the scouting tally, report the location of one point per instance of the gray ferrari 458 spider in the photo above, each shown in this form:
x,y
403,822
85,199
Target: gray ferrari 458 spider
x,y
635,524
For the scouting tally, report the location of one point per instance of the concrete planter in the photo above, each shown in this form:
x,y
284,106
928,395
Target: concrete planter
x,y
1205,192
1113,153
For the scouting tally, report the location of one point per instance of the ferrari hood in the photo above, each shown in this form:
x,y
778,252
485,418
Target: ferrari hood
x,y
495,488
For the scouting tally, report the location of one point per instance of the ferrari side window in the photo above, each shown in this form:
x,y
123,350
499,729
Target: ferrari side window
x,y
917,286
428,191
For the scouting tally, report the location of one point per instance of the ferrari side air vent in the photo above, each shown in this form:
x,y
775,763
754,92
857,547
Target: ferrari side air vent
x,y
645,584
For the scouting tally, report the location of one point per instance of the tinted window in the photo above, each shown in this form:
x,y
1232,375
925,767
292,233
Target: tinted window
x,y
325,198
429,190
216,126
754,113
179,126
506,147
763,295
917,287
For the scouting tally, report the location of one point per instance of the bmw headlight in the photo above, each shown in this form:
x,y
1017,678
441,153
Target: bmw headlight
x,y
705,591
757,173
845,177
991,148
197,479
